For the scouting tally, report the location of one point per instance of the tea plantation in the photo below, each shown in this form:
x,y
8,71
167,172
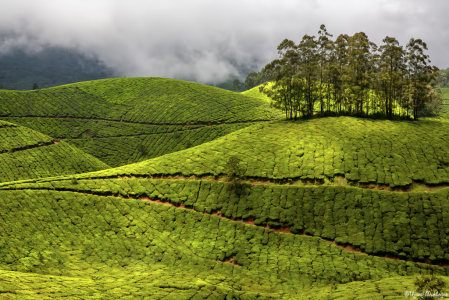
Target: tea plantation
x,y
139,100
121,189
110,248
27,154
129,115
364,151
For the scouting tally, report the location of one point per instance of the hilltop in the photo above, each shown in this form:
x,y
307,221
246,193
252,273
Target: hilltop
x,y
140,100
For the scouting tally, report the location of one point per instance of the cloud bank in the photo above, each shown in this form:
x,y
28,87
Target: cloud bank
x,y
209,41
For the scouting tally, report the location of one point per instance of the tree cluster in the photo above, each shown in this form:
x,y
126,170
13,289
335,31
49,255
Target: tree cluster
x,y
255,78
348,75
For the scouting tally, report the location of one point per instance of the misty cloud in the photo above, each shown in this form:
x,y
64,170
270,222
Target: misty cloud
x,y
208,41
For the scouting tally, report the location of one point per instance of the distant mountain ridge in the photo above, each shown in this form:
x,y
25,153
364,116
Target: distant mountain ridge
x,y
51,67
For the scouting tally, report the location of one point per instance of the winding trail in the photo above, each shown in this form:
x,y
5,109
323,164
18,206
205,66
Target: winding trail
x,y
285,230
339,181
277,230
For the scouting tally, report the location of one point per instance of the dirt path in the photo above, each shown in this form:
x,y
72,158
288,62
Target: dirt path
x,y
299,182
281,230
285,230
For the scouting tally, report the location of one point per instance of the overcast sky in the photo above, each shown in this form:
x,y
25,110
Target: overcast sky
x,y
206,40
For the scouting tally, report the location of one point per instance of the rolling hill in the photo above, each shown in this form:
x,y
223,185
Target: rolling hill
x,y
326,208
363,151
122,119
27,154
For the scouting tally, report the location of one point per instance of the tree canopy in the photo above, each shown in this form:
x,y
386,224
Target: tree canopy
x,y
350,75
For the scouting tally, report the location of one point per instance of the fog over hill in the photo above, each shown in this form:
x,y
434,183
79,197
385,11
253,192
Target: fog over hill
x,y
208,42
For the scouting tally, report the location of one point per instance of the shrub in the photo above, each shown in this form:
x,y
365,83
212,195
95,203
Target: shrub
x,y
233,169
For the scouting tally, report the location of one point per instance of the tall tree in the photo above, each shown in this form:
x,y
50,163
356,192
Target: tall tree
x,y
359,70
330,73
421,75
287,79
340,78
35,86
392,72
308,70
323,58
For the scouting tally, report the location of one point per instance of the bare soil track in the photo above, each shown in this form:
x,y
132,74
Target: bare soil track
x,y
281,230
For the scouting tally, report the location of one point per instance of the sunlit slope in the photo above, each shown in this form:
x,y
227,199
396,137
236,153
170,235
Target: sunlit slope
x,y
255,93
27,154
408,226
365,151
112,248
141,100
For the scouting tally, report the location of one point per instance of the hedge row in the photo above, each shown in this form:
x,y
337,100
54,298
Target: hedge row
x,y
394,153
140,100
46,161
88,236
406,225
118,151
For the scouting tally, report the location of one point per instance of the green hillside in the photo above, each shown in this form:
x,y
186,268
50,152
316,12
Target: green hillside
x,y
325,208
99,247
27,154
361,151
141,100
346,215
15,137
127,114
